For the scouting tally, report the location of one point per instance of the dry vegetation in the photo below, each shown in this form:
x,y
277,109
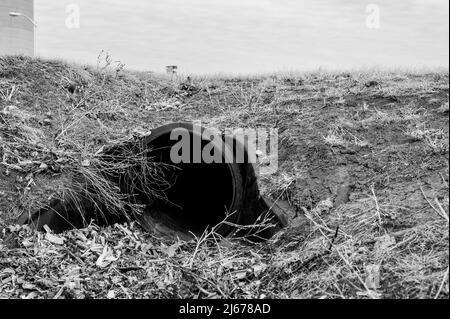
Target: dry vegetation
x,y
363,161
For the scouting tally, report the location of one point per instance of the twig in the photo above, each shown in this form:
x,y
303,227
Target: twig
x,y
127,269
321,255
443,180
377,206
199,277
439,212
442,284
444,214
59,293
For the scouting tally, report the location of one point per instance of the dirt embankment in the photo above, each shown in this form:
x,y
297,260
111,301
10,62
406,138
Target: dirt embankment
x,y
363,159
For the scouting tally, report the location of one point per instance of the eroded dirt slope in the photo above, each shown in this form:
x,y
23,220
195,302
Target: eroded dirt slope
x,y
363,160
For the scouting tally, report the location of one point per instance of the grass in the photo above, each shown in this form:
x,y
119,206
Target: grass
x,y
436,139
363,161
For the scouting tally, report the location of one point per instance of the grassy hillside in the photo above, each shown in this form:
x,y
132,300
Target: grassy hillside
x,y
363,160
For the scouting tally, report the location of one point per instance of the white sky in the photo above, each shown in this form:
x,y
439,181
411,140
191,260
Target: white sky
x,y
247,36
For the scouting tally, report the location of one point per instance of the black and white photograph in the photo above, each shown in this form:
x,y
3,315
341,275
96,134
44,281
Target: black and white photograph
x,y
225,156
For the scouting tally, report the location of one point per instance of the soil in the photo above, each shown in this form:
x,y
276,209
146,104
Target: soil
x,y
371,160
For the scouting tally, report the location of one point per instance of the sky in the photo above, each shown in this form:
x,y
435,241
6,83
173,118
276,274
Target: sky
x,y
246,36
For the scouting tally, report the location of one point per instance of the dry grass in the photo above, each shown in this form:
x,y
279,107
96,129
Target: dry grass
x,y
124,262
93,174
435,139
363,162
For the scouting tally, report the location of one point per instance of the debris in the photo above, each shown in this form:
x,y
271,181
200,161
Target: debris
x,y
111,294
106,258
54,239
371,83
373,277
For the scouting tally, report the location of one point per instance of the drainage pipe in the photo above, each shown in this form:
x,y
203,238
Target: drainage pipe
x,y
202,194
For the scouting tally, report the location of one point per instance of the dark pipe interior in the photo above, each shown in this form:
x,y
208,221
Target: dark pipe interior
x,y
200,194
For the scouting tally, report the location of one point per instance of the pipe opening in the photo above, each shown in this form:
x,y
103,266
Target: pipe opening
x,y
199,195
